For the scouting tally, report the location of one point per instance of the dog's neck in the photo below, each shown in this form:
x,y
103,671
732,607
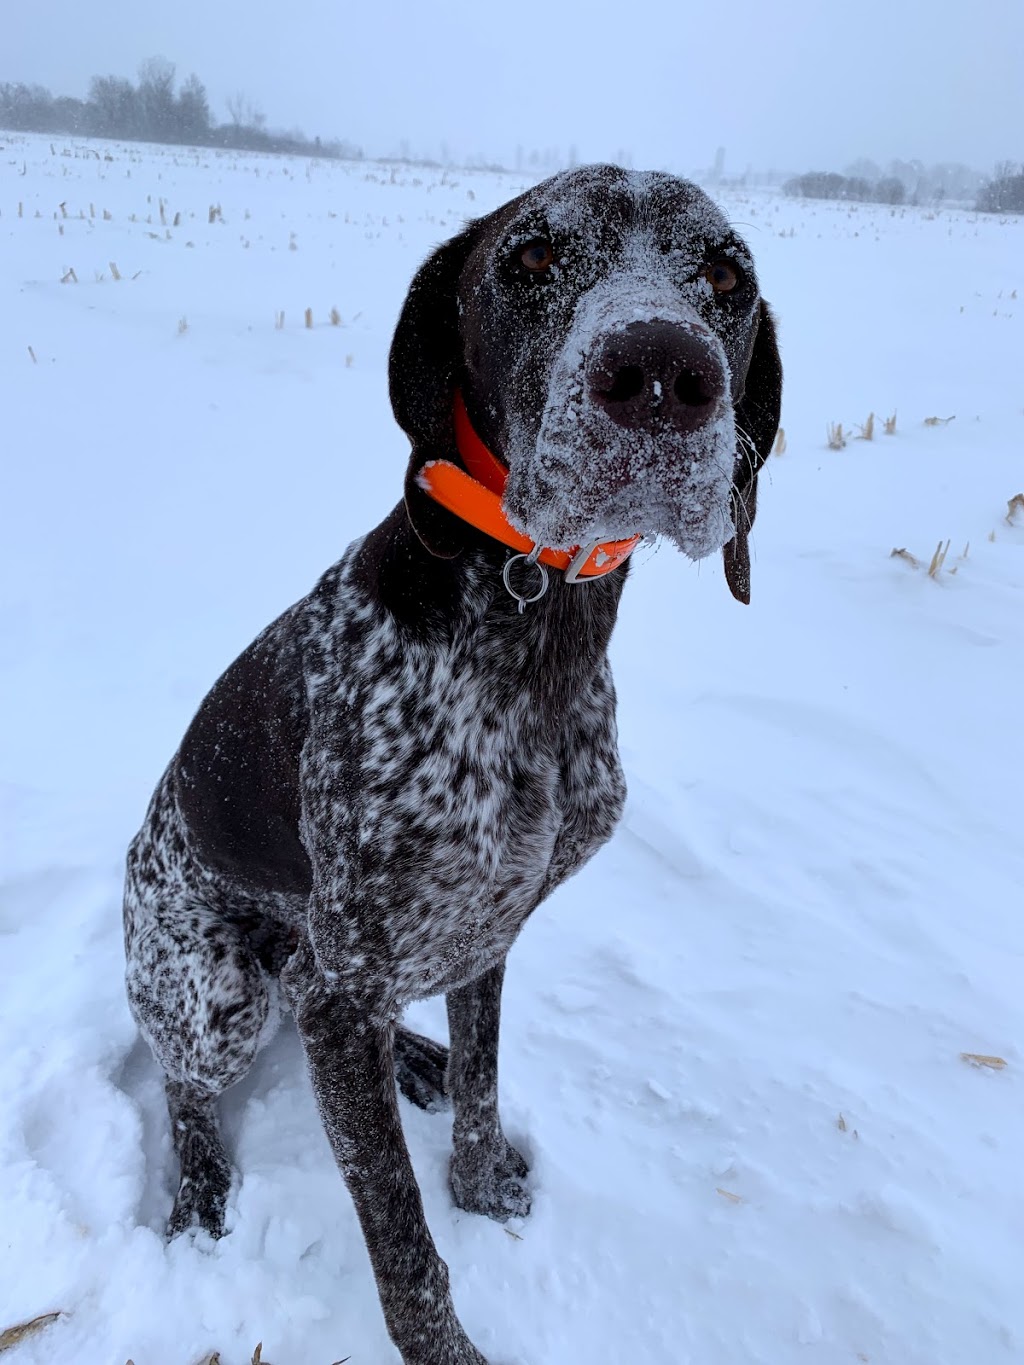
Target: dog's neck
x,y
567,630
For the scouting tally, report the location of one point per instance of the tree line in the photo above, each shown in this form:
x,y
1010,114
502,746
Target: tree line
x,y
154,109
910,182
1004,193
831,185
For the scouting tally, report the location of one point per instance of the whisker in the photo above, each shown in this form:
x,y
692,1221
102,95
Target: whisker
x,y
748,449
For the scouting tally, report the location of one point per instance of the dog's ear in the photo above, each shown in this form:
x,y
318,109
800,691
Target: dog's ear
x,y
423,371
757,422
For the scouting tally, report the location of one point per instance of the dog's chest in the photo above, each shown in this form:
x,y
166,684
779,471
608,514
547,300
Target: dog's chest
x,y
465,785
461,815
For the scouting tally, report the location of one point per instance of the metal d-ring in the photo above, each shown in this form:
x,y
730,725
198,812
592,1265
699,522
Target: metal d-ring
x,y
533,559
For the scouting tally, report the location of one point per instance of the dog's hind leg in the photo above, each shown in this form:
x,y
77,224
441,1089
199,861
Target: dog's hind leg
x,y
420,1066
200,999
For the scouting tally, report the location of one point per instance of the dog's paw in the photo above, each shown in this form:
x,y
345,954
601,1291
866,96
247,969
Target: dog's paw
x,y
489,1182
200,1204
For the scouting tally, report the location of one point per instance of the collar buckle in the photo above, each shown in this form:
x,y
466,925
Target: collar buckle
x,y
579,559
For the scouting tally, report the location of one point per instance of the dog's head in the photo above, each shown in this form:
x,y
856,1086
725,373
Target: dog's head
x,y
613,350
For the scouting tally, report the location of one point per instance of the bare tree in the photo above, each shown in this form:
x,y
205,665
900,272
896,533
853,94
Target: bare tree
x,y
244,112
156,98
111,106
25,106
193,110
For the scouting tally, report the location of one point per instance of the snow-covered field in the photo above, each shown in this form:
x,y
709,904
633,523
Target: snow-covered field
x,y
733,1045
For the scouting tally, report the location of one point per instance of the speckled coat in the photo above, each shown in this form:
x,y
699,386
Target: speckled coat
x,y
377,794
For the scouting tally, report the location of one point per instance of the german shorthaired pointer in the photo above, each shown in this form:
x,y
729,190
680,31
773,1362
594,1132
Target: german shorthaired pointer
x,y
377,794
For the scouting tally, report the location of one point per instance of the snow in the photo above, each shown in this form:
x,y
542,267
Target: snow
x,y
732,1045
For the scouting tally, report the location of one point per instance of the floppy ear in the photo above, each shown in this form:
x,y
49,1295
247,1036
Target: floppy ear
x,y
423,371
757,422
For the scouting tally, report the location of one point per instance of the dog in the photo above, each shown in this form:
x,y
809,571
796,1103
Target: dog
x,y
377,794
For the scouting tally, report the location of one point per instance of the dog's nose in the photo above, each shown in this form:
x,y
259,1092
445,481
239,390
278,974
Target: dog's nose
x,y
652,375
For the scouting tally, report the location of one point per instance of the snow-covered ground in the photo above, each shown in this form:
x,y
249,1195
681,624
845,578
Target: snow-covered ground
x,y
732,1046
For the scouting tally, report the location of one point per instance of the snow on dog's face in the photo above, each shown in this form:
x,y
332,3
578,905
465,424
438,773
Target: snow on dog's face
x,y
604,330
620,312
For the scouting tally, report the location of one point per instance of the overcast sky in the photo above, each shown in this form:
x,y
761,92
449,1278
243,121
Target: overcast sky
x,y
789,84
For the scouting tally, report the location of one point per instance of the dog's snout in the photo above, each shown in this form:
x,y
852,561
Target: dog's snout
x,y
652,375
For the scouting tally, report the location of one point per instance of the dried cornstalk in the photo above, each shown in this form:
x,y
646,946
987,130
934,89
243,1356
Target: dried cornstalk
x,y
14,1336
905,554
938,559
836,436
983,1059
867,431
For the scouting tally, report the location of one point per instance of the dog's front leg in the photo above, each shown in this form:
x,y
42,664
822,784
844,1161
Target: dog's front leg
x,y
487,1173
351,1063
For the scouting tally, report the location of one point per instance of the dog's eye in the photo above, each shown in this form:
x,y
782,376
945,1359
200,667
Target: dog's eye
x,y
722,276
537,256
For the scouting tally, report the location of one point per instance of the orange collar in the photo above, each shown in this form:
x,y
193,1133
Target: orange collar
x,y
475,497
